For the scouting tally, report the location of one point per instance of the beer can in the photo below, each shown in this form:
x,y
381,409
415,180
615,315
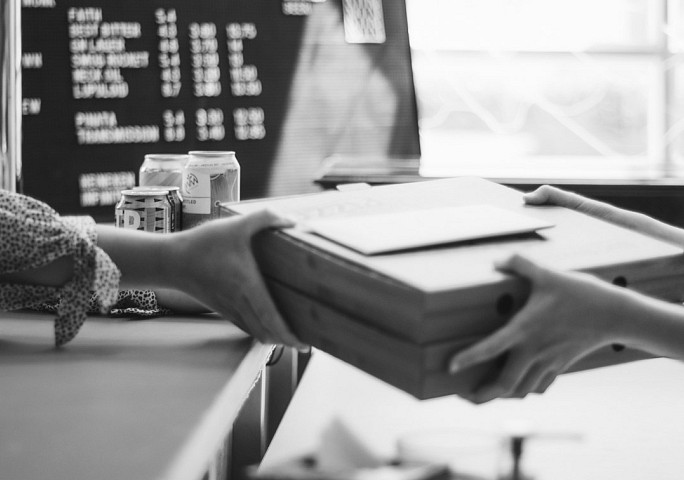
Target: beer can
x,y
147,210
176,201
162,169
209,179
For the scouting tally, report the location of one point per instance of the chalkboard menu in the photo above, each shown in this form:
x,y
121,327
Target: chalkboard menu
x,y
283,83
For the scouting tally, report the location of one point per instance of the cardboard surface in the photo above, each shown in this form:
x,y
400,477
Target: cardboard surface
x,y
452,291
577,242
411,229
401,315
420,370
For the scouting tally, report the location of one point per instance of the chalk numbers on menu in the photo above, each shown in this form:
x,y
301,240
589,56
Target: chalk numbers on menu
x,y
298,7
249,123
209,123
206,73
174,125
169,55
244,82
206,78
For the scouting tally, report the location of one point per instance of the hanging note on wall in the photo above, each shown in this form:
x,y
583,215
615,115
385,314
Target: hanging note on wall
x,y
364,21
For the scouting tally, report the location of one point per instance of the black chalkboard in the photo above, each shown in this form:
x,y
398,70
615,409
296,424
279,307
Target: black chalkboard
x,y
283,83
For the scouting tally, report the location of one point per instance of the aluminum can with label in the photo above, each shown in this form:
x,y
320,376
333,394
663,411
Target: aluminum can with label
x,y
147,210
209,179
175,200
162,169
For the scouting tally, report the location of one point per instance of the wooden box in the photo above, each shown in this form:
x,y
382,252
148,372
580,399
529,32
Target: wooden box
x,y
400,315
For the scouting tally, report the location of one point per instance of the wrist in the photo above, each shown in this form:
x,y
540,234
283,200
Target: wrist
x,y
173,259
165,261
649,324
144,259
639,319
623,326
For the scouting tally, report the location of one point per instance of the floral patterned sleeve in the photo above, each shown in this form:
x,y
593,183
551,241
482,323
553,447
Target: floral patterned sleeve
x,y
34,235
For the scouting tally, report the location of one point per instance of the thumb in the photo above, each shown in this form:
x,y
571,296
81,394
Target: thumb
x,y
263,219
519,265
548,195
486,349
539,196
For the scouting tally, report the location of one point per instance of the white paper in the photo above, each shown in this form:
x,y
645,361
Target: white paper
x,y
390,232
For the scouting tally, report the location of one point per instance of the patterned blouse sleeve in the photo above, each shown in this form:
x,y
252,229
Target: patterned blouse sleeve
x,y
34,235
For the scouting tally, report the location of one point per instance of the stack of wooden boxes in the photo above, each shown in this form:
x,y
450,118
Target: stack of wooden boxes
x,y
400,315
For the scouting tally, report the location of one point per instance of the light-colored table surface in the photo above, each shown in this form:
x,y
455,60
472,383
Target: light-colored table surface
x,y
150,399
623,422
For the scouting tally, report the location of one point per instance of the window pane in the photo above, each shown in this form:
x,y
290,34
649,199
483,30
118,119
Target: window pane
x,y
559,108
571,88
534,24
675,134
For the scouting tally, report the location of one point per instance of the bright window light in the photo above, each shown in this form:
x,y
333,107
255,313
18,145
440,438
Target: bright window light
x,y
550,88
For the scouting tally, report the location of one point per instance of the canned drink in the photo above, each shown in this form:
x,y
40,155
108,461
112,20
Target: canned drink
x,y
209,179
176,201
147,210
162,169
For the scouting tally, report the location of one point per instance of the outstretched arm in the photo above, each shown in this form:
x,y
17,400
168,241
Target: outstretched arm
x,y
210,267
212,263
547,195
568,316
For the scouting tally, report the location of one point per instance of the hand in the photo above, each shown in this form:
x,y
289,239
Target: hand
x,y
547,195
217,268
567,316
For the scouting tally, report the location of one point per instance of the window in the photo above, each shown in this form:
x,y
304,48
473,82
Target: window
x,y
576,89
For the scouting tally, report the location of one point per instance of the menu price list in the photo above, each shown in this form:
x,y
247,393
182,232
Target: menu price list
x,y
106,82
98,59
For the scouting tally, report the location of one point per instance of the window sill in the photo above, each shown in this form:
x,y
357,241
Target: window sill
x,y
569,171
648,192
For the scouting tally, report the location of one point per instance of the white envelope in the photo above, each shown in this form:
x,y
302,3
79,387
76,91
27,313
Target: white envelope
x,y
390,232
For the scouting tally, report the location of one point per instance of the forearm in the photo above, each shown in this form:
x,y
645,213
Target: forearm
x,y
546,195
654,326
178,301
143,258
652,227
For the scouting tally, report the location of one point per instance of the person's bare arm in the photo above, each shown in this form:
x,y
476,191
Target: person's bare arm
x,y
211,264
547,195
179,302
568,316
207,268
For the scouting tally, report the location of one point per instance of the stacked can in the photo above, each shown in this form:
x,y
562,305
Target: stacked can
x,y
175,200
209,179
162,169
147,210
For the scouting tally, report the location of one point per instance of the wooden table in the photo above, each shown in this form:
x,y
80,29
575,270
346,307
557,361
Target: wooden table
x,y
152,399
